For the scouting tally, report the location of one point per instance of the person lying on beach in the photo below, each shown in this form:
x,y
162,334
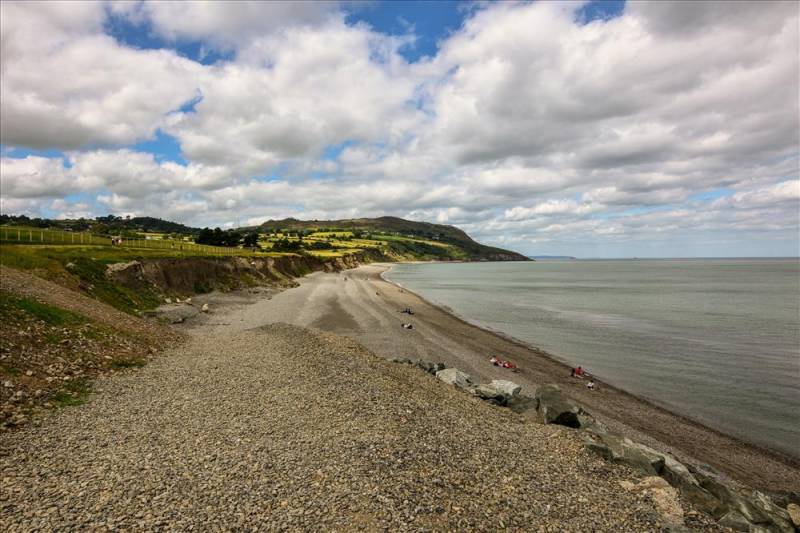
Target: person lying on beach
x,y
590,385
408,326
499,362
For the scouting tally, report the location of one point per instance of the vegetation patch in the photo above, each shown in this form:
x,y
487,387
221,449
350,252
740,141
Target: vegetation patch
x,y
54,316
74,392
127,363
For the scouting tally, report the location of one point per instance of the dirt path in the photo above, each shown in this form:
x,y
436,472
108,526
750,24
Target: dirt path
x,y
360,304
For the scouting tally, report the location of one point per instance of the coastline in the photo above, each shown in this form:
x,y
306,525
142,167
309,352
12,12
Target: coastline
x,y
694,454
360,304
529,346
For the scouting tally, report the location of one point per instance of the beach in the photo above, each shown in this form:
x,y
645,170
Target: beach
x,y
246,425
360,304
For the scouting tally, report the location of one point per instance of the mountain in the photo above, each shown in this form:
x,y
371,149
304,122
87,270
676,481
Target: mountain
x,y
463,247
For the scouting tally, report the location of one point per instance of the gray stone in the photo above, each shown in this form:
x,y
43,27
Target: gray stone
x,y
204,308
453,376
794,514
778,517
622,450
555,408
427,366
735,521
508,388
642,457
489,393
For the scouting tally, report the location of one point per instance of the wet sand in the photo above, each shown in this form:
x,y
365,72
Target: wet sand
x,y
362,305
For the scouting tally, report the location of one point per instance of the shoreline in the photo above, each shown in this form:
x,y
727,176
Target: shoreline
x,y
362,305
528,346
691,456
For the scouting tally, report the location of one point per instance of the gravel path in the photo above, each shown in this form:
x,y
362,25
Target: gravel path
x,y
280,428
359,304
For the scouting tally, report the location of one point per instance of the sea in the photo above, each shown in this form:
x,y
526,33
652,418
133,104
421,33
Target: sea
x,y
716,340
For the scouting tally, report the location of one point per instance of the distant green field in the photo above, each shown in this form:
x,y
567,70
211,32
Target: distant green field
x,y
153,241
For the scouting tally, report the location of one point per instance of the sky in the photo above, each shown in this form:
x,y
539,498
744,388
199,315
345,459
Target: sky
x,y
593,129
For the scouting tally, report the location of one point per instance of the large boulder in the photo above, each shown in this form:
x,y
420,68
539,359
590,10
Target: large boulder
x,y
454,376
665,498
619,449
427,366
490,393
509,389
555,408
794,514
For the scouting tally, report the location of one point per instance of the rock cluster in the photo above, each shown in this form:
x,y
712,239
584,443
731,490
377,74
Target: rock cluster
x,y
731,505
430,368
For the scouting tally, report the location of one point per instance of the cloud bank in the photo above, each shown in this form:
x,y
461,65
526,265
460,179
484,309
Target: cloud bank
x,y
670,129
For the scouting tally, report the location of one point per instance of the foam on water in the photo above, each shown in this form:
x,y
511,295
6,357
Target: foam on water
x,y
716,340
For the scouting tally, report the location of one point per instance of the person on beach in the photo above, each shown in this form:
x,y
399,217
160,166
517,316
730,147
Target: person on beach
x,y
579,372
590,385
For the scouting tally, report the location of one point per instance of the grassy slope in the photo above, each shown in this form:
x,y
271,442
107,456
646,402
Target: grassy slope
x,y
84,268
412,240
54,341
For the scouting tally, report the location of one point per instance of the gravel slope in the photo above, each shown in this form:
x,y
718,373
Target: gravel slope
x,y
280,428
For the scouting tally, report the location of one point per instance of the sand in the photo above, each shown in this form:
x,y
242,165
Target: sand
x,y
361,305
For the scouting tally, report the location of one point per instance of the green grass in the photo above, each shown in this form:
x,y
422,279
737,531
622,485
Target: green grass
x,y
9,370
74,392
127,363
54,316
85,266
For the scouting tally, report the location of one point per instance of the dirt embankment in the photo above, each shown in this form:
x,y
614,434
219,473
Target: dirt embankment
x,y
187,276
54,341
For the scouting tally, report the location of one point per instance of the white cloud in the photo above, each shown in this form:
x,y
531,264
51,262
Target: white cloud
x,y
526,127
227,26
66,85
294,94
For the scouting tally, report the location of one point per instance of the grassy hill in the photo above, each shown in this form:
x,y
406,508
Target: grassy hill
x,y
396,237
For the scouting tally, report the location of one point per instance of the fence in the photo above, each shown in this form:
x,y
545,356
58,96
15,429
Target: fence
x,y
48,236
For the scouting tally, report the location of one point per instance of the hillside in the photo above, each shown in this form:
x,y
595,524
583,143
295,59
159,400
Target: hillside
x,y
405,238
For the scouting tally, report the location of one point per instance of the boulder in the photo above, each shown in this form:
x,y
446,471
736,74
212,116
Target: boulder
x,y
508,388
490,393
453,376
665,499
622,450
204,308
794,514
555,408
427,366
777,517
735,521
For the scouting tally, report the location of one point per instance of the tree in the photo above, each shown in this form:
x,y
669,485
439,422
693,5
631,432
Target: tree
x,y
251,240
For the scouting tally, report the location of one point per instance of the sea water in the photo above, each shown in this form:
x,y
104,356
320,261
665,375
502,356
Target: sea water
x,y
717,340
